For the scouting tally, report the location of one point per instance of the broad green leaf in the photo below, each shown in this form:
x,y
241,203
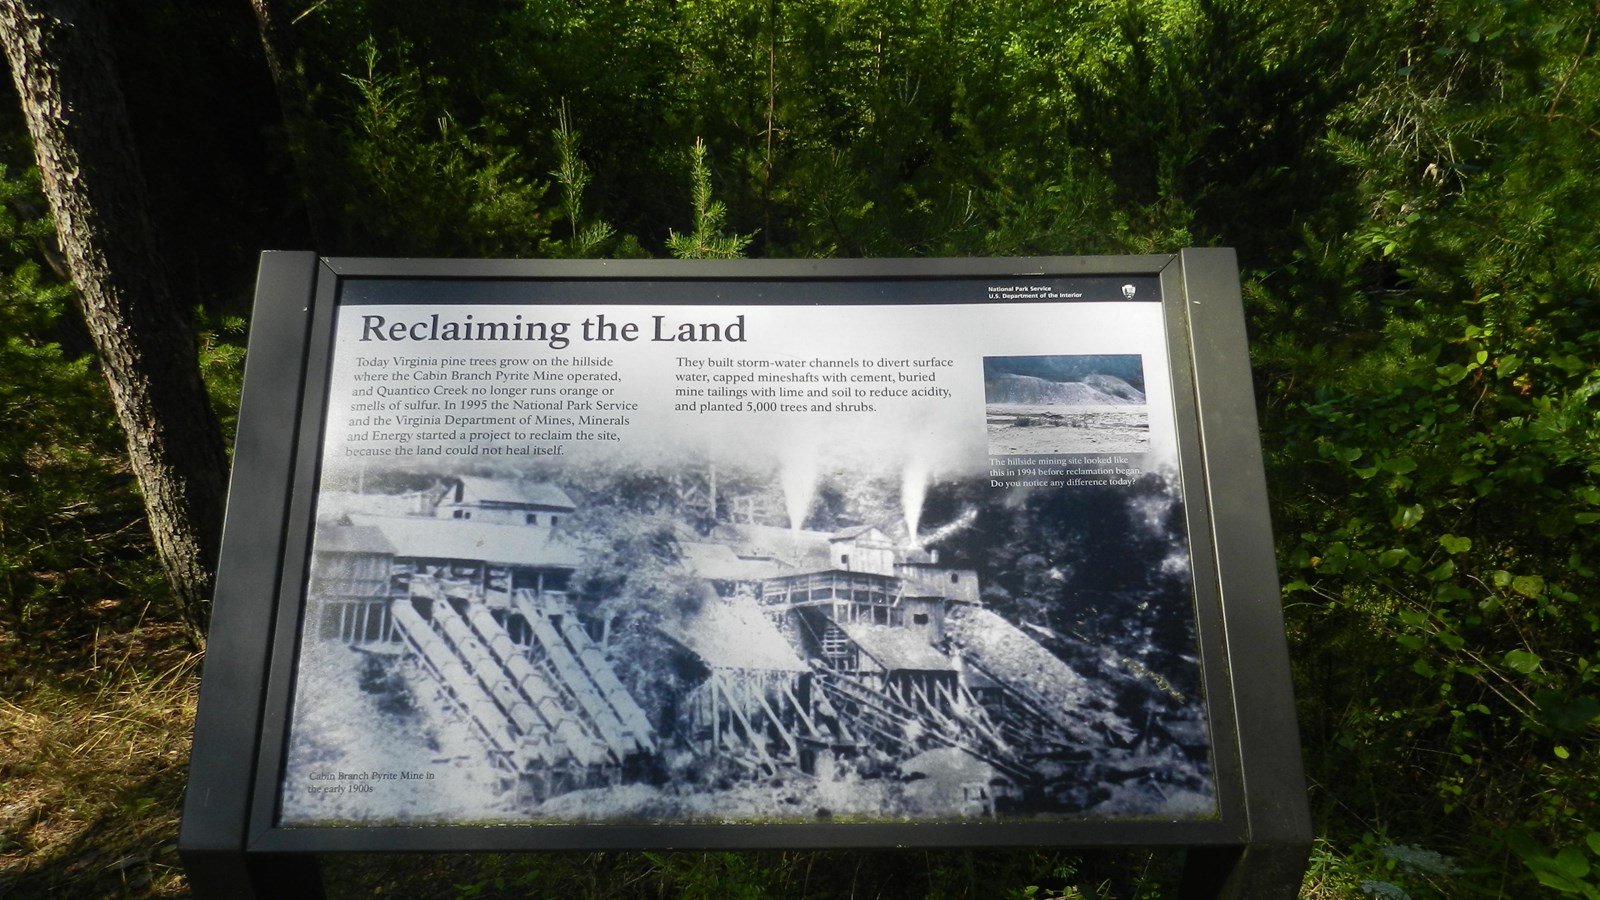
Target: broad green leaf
x,y
1400,465
1556,880
1571,863
1392,557
1522,661
1453,544
1528,585
1407,516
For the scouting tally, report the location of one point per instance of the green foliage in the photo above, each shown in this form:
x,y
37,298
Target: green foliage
x,y
222,348
867,129
72,546
1570,871
412,179
1240,164
707,240
1411,188
586,240
1438,440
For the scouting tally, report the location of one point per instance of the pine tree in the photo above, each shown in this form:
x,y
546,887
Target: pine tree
x,y
61,63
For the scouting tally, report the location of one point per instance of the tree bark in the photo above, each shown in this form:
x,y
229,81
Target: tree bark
x,y
278,45
61,63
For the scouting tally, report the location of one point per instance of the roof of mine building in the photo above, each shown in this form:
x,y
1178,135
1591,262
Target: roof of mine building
x,y
720,562
897,649
1015,659
857,532
352,539
337,503
734,635
796,547
418,537
513,493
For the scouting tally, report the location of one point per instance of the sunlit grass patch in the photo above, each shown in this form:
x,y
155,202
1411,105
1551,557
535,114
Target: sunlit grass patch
x,y
91,782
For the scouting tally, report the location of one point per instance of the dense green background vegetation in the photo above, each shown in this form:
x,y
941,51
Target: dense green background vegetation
x,y
1411,186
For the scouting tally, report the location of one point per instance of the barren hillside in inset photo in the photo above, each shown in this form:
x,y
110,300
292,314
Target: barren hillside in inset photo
x,y
1065,404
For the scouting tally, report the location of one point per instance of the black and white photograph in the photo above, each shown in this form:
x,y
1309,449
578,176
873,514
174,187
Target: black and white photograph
x,y
755,611
1065,404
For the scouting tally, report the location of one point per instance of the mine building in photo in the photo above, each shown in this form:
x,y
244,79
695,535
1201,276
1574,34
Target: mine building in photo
x,y
807,652
470,580
868,615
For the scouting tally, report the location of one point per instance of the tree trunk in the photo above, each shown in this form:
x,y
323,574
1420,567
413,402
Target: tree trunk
x,y
278,45
61,63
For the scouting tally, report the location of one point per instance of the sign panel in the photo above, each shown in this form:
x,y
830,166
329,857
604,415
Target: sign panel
x,y
599,552
746,554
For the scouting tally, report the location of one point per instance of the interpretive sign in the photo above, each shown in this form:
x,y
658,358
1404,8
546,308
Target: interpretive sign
x,y
745,554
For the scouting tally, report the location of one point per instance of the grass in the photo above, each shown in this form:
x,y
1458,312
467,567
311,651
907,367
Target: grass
x,y
712,875
92,773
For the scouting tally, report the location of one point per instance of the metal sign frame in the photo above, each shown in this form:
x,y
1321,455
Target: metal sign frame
x,y
232,841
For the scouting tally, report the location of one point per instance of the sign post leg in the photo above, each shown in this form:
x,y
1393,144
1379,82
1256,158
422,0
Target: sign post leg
x,y
1252,872
235,875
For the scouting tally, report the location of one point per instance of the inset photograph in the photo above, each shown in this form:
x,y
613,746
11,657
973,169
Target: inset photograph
x,y
1065,404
